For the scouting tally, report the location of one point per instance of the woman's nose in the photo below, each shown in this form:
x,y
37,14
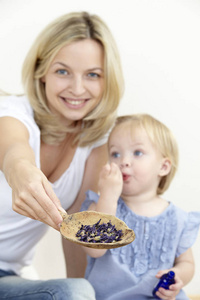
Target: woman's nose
x,y
77,86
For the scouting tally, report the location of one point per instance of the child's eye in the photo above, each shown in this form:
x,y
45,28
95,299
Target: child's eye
x,y
138,153
115,154
62,72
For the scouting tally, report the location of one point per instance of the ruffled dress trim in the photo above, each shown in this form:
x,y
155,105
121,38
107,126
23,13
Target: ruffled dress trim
x,y
158,239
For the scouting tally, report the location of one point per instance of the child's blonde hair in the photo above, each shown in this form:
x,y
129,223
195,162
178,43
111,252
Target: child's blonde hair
x,y
161,137
63,31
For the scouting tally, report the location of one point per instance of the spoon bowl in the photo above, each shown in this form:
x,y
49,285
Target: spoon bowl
x,y
72,223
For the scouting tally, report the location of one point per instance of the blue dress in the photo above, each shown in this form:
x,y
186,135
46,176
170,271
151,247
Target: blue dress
x,y
128,272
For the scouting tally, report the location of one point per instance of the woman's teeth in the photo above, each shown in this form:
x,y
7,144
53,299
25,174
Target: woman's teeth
x,y
74,102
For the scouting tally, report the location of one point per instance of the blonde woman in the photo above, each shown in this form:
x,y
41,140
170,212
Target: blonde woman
x,y
54,143
143,158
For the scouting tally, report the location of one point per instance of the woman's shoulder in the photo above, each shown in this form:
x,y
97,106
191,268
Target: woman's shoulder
x,y
16,103
19,107
103,140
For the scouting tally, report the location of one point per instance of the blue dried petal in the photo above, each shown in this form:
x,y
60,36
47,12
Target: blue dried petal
x,y
106,233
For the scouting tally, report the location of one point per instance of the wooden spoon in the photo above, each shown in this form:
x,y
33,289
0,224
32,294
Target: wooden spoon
x,y
72,223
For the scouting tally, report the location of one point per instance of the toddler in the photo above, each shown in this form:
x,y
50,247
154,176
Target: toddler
x,y
143,159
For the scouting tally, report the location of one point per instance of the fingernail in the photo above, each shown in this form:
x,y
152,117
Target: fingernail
x,y
62,210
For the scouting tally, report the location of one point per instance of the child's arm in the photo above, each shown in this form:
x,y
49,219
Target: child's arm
x,y
110,188
184,271
184,266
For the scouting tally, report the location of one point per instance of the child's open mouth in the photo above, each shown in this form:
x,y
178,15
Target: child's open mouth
x,y
125,177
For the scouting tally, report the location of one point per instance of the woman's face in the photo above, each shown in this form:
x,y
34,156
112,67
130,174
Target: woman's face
x,y
74,82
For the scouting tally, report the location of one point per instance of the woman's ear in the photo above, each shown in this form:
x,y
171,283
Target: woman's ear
x,y
43,79
165,167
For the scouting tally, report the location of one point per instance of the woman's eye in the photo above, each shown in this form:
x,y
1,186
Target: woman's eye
x,y
61,72
138,153
93,75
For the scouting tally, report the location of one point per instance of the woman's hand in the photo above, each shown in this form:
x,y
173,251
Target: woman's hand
x,y
33,196
174,289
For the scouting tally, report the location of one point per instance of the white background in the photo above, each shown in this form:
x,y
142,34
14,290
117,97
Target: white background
x,y
159,44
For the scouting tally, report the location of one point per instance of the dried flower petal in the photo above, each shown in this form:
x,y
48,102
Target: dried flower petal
x,y
99,233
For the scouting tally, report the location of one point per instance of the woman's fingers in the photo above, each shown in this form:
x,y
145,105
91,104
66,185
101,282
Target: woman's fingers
x,y
49,191
21,208
25,210
33,195
38,205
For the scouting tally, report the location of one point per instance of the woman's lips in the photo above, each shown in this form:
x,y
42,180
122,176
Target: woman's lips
x,y
74,102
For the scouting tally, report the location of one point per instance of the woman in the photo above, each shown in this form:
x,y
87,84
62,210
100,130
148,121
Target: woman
x,y
54,138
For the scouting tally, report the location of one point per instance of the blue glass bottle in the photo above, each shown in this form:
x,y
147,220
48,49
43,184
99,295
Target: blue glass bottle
x,y
165,281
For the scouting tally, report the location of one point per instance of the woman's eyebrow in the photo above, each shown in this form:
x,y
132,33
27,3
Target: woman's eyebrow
x,y
95,68
60,63
66,66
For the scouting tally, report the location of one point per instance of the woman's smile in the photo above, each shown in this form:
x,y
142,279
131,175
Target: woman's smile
x,y
74,103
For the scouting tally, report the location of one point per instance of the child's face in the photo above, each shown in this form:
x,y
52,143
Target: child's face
x,y
139,161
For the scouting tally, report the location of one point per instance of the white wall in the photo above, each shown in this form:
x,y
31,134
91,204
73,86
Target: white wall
x,y
160,50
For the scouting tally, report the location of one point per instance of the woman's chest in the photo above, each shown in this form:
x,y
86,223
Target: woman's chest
x,y
55,160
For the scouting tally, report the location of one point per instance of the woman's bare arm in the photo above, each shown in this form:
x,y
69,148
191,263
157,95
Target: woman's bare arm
x,y
31,192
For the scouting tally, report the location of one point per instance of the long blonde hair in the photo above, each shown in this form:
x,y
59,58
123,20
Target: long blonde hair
x,y
161,137
65,30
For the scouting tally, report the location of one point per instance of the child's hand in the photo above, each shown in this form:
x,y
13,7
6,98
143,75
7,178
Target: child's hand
x,y
174,289
110,181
